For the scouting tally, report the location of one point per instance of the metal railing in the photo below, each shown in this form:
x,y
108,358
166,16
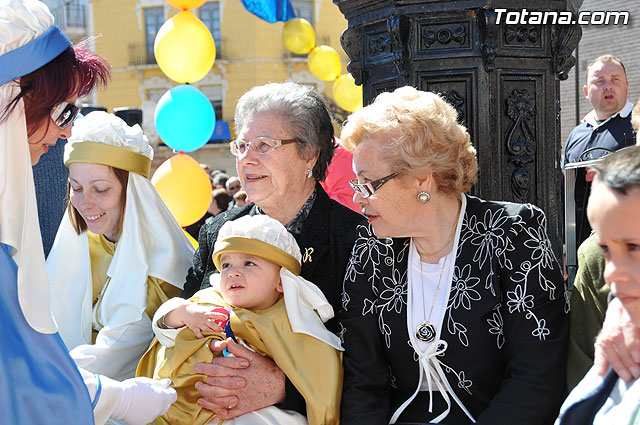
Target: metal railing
x,y
71,14
138,54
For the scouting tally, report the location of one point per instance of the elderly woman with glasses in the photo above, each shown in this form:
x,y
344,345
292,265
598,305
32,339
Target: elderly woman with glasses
x,y
453,307
285,143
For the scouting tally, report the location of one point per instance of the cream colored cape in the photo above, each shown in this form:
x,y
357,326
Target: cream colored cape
x,y
152,244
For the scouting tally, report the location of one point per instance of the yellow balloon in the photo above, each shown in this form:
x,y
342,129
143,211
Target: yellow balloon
x,y
184,48
191,239
186,4
324,63
347,94
298,36
184,187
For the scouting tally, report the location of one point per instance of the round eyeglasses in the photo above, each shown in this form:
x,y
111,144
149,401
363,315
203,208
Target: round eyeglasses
x,y
261,145
367,189
64,114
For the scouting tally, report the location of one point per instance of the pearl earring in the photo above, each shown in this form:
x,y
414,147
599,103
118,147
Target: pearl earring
x,y
309,173
424,197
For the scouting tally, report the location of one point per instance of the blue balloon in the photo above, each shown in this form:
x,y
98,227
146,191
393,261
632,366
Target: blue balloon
x,y
184,118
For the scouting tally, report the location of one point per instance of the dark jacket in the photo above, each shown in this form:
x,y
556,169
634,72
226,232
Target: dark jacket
x,y
505,325
594,393
589,301
325,243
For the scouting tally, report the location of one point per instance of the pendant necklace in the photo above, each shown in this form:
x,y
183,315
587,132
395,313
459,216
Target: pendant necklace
x,y
426,331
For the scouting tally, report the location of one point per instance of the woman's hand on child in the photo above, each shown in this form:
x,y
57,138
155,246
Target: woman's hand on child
x,y
241,384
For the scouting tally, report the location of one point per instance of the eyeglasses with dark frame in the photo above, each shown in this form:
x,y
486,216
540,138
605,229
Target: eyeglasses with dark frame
x,y
64,114
261,145
367,189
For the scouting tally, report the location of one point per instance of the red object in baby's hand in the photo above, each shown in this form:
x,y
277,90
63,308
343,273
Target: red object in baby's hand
x,y
220,322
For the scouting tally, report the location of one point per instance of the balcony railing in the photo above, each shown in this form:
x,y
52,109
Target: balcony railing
x,y
138,55
70,15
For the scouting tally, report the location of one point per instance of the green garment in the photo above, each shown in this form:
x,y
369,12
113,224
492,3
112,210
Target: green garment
x,y
588,308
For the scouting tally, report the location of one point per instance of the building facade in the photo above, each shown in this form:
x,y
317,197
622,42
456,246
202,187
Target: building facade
x,y
250,52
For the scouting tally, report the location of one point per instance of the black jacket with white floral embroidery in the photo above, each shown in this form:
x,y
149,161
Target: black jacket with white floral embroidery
x,y
505,324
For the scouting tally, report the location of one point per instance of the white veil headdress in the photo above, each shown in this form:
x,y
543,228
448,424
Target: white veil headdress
x,y
152,242
28,40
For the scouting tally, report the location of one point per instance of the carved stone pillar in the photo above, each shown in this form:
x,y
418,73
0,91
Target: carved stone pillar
x,y
503,79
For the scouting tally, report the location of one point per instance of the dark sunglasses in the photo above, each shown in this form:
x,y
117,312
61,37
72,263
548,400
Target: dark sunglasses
x,y
64,114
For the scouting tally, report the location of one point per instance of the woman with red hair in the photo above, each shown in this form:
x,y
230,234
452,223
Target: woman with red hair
x,y
41,76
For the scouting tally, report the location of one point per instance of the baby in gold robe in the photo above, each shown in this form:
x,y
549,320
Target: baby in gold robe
x,y
273,310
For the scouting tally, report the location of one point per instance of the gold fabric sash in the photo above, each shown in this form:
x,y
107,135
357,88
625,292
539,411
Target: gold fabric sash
x,y
257,248
113,156
101,254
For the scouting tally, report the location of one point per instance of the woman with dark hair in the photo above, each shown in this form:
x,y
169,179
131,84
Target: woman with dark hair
x,y
220,199
285,143
41,76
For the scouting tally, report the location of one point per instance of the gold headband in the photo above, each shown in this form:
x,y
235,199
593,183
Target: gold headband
x,y
257,248
113,156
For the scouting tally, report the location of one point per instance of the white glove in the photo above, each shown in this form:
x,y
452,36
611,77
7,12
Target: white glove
x,y
143,400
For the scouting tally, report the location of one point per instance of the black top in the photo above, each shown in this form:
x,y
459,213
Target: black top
x,y
194,229
505,325
615,134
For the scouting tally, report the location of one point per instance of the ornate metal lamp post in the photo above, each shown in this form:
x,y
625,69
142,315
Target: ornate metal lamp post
x,y
502,77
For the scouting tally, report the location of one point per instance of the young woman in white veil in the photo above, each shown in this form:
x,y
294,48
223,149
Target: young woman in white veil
x,y
119,252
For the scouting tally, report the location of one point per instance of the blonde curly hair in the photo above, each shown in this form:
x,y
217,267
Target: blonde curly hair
x,y
417,133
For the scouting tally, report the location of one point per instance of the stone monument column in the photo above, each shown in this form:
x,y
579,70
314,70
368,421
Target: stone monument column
x,y
499,70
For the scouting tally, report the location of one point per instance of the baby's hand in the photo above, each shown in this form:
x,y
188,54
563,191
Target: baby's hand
x,y
197,318
202,319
